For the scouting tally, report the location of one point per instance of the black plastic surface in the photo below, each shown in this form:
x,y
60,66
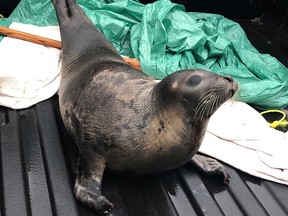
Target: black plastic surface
x,y
38,159
38,169
228,8
7,6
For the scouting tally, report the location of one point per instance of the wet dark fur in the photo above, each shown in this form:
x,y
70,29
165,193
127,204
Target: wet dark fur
x,y
123,120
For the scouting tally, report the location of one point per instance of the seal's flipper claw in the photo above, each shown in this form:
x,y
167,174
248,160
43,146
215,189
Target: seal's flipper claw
x,y
210,166
67,10
61,10
88,186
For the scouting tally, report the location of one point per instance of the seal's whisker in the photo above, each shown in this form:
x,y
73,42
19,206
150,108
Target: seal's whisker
x,y
201,114
210,101
213,105
206,96
219,100
221,87
206,109
204,103
199,107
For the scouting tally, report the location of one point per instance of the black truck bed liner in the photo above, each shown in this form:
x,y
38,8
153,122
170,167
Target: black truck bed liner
x,y
38,162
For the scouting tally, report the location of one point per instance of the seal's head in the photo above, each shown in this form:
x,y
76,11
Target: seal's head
x,y
200,92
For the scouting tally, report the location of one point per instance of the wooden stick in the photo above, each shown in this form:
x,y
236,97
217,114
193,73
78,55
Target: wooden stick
x,y
133,62
48,42
30,37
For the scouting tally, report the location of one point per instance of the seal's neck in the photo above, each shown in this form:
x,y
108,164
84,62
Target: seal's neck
x,y
163,95
167,107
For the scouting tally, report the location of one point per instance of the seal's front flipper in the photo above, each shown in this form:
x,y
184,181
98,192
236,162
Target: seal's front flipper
x,y
210,166
88,185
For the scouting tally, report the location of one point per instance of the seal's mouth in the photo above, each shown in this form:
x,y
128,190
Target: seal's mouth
x,y
231,93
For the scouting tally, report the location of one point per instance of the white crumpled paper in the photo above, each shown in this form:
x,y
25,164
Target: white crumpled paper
x,y
29,73
238,135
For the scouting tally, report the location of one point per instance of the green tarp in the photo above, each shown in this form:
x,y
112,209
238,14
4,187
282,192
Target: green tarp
x,y
165,39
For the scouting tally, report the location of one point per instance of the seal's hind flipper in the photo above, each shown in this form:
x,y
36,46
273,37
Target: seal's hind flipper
x,y
71,16
62,10
210,166
79,35
68,9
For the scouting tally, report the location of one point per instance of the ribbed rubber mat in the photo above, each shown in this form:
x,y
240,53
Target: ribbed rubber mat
x,y
38,162
38,169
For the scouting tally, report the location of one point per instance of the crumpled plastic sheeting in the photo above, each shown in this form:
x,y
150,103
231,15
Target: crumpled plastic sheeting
x,y
169,39
166,39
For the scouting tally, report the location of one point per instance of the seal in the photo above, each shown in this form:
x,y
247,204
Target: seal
x,y
124,121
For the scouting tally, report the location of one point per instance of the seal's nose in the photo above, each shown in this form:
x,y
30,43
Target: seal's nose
x,y
228,78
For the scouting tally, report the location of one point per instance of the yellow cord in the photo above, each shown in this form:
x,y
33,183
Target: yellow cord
x,y
1,16
276,123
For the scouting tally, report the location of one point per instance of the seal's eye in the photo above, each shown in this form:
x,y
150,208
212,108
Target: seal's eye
x,y
194,80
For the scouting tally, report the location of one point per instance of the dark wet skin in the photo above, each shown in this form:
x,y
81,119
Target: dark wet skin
x,y
124,121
